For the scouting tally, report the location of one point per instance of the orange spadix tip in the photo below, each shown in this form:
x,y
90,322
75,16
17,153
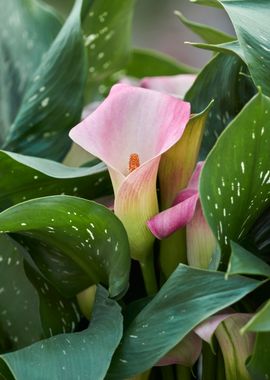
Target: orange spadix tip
x,y
134,162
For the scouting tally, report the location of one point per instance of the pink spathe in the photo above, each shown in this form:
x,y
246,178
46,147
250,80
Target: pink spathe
x,y
133,120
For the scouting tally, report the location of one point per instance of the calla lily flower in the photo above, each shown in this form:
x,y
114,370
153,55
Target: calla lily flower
x,y
186,211
130,131
176,85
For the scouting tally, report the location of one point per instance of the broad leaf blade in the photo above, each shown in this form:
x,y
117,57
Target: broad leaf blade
x,y
172,314
221,79
107,30
20,322
84,355
28,29
25,177
258,365
207,33
244,262
251,22
45,116
74,242
234,195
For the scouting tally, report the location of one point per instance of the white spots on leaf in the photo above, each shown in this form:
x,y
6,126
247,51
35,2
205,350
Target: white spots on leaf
x,y
45,102
23,224
243,167
89,39
90,233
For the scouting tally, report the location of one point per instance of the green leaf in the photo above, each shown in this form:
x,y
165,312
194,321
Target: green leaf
x,y
74,242
145,63
210,3
107,30
251,22
25,293
207,33
232,47
57,313
222,80
25,177
84,355
258,365
235,180
236,348
20,323
45,116
244,262
186,299
28,29
261,320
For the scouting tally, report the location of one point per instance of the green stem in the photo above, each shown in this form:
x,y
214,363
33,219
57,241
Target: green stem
x,y
149,275
172,252
220,366
167,373
209,363
183,373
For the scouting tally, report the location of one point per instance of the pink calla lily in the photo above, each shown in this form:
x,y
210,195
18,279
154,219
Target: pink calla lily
x,y
176,85
186,211
130,131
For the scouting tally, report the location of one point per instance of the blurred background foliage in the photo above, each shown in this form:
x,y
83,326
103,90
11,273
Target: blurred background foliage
x,y
156,27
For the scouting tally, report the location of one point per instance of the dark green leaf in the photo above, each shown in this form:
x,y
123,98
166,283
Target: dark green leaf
x,y
207,33
258,366
28,29
53,100
85,355
235,180
221,79
57,314
145,63
20,323
244,262
232,47
186,299
251,22
107,30
74,242
25,177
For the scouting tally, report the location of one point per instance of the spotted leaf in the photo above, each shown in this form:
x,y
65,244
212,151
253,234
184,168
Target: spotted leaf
x,y
235,180
251,22
222,79
84,355
74,242
31,308
36,25
172,314
107,34
25,177
45,116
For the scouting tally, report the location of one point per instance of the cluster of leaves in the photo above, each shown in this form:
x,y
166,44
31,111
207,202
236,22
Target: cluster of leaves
x,y
56,240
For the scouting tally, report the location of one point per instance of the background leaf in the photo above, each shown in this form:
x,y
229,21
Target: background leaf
x,y
207,33
45,116
172,314
25,177
36,25
107,34
222,80
74,242
234,195
145,63
251,22
84,355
